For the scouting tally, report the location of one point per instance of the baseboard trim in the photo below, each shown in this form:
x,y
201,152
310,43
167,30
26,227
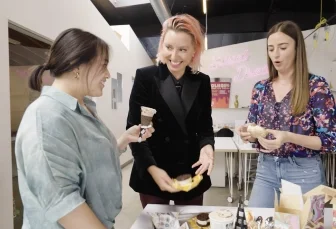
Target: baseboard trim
x,y
127,162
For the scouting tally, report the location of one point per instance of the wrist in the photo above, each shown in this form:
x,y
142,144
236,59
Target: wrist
x,y
208,146
122,142
287,137
151,169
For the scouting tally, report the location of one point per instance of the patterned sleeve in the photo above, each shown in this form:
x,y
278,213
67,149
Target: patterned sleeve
x,y
324,112
253,113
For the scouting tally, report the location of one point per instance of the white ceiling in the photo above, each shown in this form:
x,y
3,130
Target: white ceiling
x,y
124,3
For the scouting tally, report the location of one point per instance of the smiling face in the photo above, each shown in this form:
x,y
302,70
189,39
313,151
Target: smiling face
x,y
97,74
177,51
281,51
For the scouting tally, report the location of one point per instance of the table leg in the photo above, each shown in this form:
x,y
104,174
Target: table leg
x,y
245,176
240,171
230,177
225,167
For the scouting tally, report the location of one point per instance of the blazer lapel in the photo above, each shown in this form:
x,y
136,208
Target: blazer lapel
x,y
169,93
190,88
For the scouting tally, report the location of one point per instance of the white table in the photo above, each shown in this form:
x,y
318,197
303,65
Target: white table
x,y
144,220
224,146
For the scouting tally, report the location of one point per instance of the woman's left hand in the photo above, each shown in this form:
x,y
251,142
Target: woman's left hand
x,y
206,160
281,137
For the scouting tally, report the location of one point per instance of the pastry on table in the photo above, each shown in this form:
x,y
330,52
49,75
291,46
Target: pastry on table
x,y
203,220
195,222
249,216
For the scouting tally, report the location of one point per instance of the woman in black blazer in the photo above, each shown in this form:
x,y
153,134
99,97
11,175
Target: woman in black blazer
x,y
183,141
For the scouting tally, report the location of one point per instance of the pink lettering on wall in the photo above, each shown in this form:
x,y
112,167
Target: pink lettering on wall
x,y
219,62
244,72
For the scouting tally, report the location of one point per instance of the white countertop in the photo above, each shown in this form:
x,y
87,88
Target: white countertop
x,y
244,147
144,220
225,144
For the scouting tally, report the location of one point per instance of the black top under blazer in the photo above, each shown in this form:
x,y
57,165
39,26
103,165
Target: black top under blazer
x,y
183,125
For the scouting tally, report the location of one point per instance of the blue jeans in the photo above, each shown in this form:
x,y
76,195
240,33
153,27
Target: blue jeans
x,y
306,172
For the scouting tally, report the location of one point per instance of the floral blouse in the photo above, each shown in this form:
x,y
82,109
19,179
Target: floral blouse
x,y
318,120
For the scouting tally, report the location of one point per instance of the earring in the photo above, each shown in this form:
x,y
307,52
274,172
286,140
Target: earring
x,y
77,75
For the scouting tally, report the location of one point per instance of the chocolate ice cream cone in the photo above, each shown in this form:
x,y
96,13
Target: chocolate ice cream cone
x,y
146,120
147,114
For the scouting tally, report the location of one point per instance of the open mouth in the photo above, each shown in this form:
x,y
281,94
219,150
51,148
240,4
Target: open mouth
x,y
175,63
103,83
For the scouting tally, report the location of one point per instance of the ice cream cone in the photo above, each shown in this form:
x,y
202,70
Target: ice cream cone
x,y
147,114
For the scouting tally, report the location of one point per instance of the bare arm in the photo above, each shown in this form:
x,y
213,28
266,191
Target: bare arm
x,y
310,142
81,217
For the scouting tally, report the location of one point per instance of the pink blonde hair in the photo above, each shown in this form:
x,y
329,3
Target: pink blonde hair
x,y
190,25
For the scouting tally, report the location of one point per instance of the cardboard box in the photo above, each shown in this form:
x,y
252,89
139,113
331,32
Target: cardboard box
x,y
306,210
333,202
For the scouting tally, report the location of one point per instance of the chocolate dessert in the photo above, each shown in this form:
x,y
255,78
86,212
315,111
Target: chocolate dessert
x,y
184,179
203,220
146,120
147,114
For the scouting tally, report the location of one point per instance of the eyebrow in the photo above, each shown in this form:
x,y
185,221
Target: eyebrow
x,y
284,43
181,47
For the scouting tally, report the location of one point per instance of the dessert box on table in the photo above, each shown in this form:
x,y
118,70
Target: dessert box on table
x,y
294,210
219,219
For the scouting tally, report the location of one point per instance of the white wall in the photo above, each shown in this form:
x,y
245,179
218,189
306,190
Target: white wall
x,y
124,32
235,65
6,208
48,19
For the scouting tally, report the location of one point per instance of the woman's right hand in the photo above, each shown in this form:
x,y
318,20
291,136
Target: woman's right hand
x,y
162,179
244,135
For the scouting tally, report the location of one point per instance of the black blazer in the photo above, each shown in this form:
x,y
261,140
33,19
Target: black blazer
x,y
182,127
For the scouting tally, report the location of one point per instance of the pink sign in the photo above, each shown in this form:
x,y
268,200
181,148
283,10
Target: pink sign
x,y
229,60
244,72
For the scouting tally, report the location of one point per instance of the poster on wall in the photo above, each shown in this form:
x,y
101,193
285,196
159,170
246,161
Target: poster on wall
x,y
220,88
114,93
119,88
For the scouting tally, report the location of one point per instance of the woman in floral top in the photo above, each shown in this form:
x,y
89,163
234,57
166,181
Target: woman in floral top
x,y
298,111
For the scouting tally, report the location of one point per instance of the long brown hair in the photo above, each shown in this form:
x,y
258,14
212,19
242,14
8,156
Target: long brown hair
x,y
300,91
71,48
